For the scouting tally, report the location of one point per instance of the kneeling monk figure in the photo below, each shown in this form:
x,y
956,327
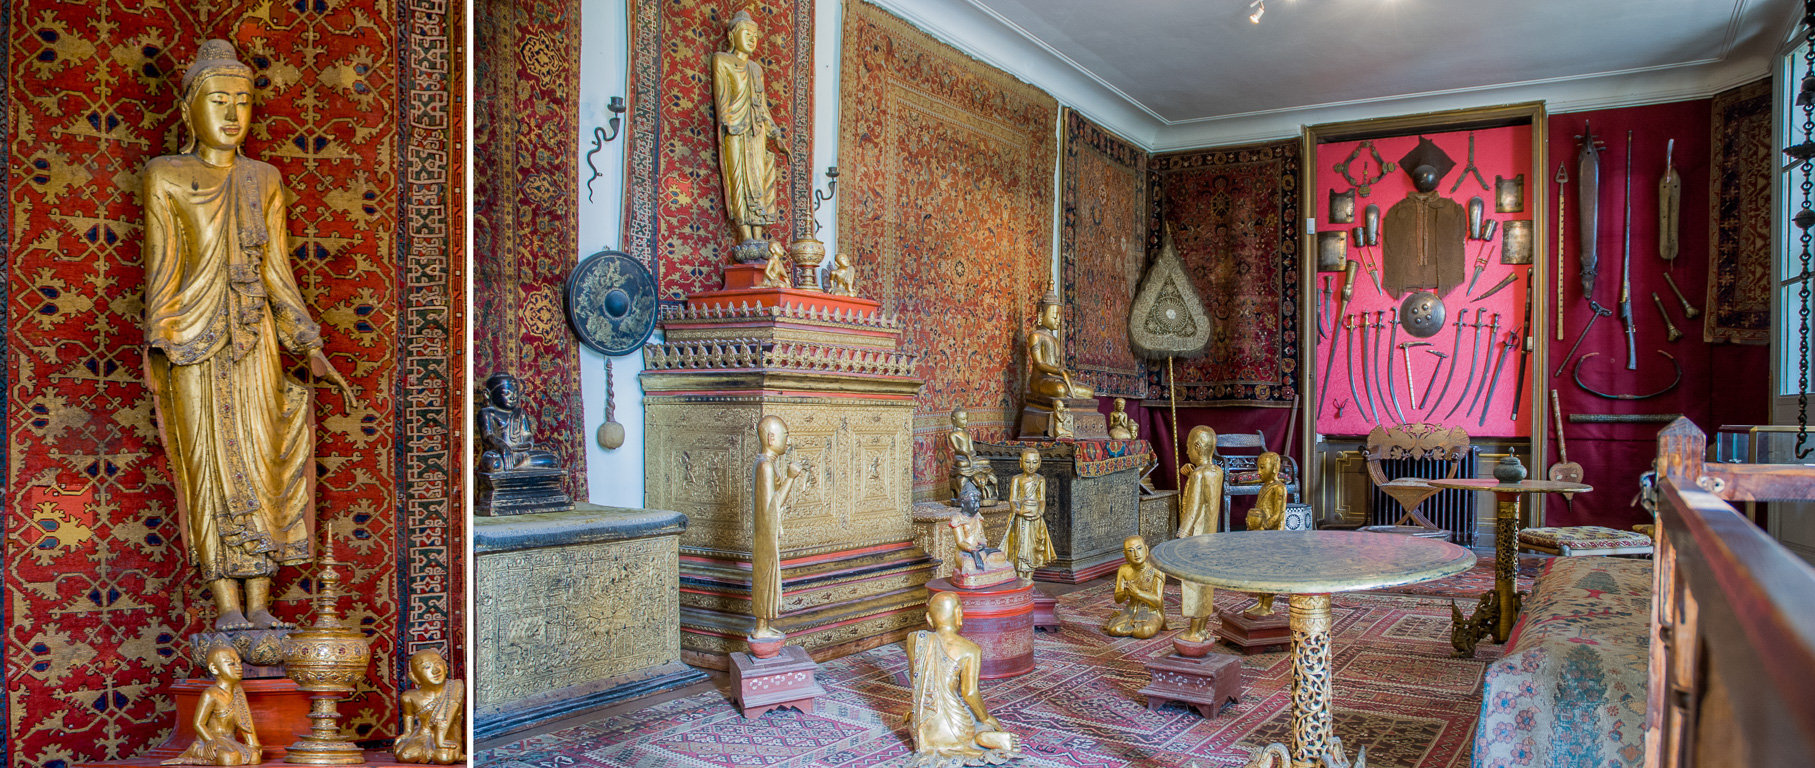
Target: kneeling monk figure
x,y
1140,590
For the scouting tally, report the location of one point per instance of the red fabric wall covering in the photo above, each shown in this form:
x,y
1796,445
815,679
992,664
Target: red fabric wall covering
x,y
1722,384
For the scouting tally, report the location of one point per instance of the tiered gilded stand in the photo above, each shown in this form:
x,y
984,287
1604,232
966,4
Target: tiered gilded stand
x,y
1308,566
1499,609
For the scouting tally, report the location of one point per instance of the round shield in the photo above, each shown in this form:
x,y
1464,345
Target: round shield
x,y
1422,314
611,303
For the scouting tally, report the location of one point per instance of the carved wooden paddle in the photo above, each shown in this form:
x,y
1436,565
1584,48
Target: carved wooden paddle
x,y
1563,471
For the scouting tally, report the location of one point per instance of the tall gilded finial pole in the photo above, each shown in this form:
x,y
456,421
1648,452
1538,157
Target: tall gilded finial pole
x,y
327,660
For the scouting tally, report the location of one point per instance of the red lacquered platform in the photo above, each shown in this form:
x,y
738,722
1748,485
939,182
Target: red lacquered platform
x,y
1000,620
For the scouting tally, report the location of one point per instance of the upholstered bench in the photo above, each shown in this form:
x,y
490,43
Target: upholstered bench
x,y
1570,689
1584,541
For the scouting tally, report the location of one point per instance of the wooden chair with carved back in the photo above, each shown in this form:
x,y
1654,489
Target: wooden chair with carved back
x,y
1448,445
1241,476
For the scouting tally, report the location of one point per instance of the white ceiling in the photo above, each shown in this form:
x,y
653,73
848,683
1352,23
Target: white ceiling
x,y
1190,70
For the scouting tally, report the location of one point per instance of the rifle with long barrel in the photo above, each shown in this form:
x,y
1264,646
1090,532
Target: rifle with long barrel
x,y
1632,354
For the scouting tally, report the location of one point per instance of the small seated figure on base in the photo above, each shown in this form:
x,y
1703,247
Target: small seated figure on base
x,y
1064,426
1268,514
1120,426
507,433
223,719
1028,543
842,279
775,273
1140,590
950,726
979,564
966,464
1199,511
431,714
1048,381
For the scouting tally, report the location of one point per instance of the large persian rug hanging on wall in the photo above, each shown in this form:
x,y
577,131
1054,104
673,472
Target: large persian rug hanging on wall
x,y
674,216
357,105
947,213
526,98
1102,252
1234,217
1739,256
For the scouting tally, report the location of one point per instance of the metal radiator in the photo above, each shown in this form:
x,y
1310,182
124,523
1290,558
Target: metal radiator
x,y
1452,510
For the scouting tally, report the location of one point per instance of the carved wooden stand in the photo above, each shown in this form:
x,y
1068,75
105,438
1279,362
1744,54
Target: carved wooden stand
x,y
1207,683
1046,613
783,680
1251,635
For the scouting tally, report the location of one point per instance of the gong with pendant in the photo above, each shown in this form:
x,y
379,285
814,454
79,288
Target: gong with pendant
x,y
1422,314
611,303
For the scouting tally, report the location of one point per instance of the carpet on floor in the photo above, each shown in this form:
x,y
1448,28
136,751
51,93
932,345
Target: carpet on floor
x,y
1471,583
1398,691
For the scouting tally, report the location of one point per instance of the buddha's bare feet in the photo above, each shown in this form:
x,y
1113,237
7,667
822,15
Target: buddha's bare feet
x,y
232,621
262,619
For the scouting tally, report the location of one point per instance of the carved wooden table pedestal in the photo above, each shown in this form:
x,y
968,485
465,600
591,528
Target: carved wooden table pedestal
x,y
1254,635
783,680
1308,566
1499,608
1208,683
1000,620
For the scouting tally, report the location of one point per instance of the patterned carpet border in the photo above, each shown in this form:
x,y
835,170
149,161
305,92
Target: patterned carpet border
x,y
1398,691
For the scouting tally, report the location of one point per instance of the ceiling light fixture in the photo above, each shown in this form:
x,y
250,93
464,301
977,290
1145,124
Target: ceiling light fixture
x,y
1260,7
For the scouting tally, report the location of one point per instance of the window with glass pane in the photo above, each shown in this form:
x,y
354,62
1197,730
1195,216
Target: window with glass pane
x,y
1795,193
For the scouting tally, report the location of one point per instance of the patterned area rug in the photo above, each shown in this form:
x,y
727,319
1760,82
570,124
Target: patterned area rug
x,y
1471,583
1397,691
1102,253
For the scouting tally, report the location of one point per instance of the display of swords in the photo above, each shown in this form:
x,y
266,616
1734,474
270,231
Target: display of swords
x,y
1491,351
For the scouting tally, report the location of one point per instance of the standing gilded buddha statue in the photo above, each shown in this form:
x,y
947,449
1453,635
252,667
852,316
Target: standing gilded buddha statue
x,y
773,485
746,164
1200,509
221,307
1027,542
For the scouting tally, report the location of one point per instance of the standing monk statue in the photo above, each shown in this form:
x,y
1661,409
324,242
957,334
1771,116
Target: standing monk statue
x,y
772,489
221,305
1200,510
745,128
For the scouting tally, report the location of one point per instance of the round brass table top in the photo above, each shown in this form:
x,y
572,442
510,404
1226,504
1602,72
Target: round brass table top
x,y
1309,562
1523,486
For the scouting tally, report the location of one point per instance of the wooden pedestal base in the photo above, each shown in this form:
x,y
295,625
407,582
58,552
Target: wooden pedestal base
x,y
1208,683
784,680
1086,422
1000,620
279,713
1252,635
1046,614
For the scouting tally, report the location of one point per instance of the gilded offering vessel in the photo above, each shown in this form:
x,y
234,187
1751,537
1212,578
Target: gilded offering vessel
x,y
807,253
1509,470
327,659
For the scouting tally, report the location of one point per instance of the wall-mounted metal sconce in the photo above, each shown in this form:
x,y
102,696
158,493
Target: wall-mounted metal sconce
x,y
599,138
820,198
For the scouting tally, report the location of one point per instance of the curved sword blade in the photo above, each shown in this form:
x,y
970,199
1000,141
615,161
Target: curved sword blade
x,y
1365,389
1474,357
1392,392
1493,382
1455,347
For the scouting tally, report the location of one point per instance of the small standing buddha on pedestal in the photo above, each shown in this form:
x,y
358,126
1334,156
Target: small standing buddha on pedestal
x,y
1259,628
1028,544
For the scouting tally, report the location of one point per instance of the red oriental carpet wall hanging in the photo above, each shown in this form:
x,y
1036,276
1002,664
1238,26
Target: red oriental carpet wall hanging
x,y
1102,254
674,219
947,166
526,96
357,106
1234,216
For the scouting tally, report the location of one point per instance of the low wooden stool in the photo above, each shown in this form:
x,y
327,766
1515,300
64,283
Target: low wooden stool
x,y
1584,541
1046,613
783,680
1207,683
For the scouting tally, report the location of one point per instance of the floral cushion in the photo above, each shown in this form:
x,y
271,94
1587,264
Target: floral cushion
x,y
1584,537
1252,476
1571,688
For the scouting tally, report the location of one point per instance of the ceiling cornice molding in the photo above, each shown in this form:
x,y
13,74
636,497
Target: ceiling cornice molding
x,y
986,35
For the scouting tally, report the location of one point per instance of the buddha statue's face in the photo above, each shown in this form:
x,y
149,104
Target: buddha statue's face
x,y
1268,464
428,669
504,395
774,435
1135,549
225,664
1030,462
743,38
220,112
1049,317
844,260
1120,405
961,418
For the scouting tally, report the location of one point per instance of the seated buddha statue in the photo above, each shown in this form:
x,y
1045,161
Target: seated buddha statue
x,y
1047,379
966,465
1140,594
1120,426
979,564
507,432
